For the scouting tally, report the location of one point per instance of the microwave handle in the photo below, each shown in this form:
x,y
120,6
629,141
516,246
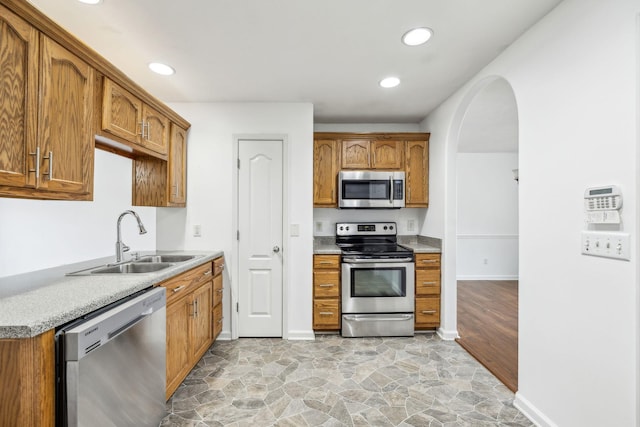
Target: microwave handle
x,y
391,189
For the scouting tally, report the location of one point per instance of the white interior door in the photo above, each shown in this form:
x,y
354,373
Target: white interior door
x,y
260,238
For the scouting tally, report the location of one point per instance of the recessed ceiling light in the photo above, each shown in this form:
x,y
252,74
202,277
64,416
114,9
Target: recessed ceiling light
x,y
160,68
90,1
390,82
417,36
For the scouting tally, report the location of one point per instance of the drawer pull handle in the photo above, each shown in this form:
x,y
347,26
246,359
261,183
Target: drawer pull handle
x,y
326,262
207,273
326,285
429,283
429,261
219,291
221,267
179,288
326,313
429,311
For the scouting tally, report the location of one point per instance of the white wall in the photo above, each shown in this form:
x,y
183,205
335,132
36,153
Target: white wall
x,y
211,167
575,80
487,216
36,234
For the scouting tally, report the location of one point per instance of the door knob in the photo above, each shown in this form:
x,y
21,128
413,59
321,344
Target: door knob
x,y
276,249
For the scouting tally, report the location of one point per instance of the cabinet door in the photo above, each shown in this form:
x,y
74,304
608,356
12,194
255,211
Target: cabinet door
x,y
177,186
217,320
388,155
178,355
417,174
121,112
356,154
326,164
65,131
156,134
202,331
18,93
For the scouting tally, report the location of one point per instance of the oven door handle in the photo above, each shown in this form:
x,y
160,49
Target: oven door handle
x,y
376,260
357,318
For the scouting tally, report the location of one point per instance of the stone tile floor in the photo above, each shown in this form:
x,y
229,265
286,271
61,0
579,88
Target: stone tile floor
x,y
335,381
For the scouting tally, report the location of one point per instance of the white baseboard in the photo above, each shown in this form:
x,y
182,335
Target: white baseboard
x,y
224,336
531,412
505,277
301,335
447,335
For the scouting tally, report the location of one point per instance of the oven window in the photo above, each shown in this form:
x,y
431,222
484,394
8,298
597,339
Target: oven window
x,y
378,282
371,189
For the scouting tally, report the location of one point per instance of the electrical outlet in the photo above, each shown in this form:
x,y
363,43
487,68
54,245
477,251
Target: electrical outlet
x,y
197,230
411,225
318,226
485,261
608,244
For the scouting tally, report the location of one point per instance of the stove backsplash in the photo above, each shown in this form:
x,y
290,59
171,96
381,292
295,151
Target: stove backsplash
x,y
409,220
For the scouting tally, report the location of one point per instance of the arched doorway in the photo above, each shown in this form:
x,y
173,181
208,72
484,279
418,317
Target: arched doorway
x,y
484,152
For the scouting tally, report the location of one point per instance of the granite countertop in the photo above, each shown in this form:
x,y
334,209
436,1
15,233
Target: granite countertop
x,y
421,248
36,302
323,247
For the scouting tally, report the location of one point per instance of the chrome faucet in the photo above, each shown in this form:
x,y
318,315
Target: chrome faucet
x,y
121,248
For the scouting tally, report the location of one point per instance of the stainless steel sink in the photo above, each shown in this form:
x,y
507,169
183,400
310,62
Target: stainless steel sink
x,y
166,258
132,267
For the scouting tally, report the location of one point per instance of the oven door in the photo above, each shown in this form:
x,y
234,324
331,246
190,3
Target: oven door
x,y
378,286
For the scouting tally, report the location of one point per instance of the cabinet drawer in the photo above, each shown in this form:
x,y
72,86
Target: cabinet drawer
x,y
217,320
427,261
326,284
427,282
428,311
326,314
326,261
217,290
218,266
179,285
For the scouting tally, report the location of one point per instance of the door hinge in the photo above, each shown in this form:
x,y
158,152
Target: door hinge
x,y
238,235
237,307
238,163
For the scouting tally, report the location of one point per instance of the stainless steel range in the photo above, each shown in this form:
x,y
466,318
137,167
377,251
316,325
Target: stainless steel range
x,y
377,281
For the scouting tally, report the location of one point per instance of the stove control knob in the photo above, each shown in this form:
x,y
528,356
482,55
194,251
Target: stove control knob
x,y
385,227
347,228
341,228
391,227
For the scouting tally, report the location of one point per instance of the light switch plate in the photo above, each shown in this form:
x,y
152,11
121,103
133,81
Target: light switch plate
x,y
295,230
608,244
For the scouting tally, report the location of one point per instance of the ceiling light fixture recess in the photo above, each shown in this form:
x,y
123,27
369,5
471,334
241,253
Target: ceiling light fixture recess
x,y
417,36
90,1
160,68
390,82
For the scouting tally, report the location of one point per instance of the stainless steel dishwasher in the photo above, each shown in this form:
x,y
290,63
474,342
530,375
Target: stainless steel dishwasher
x,y
111,365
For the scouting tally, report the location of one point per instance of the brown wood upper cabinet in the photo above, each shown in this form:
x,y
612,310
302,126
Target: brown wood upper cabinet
x,y
372,154
326,164
333,151
417,174
177,185
46,146
127,117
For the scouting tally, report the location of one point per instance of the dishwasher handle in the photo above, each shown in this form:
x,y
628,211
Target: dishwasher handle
x,y
81,339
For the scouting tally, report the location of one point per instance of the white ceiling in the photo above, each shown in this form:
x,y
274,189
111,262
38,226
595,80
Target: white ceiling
x,y
331,53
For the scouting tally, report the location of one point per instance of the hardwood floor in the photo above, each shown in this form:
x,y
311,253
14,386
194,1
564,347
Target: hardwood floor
x,y
488,325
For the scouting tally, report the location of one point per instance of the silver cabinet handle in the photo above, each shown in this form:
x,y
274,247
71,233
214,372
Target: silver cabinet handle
x,y
326,262
220,291
148,130
429,283
429,261
141,129
179,288
37,162
195,309
326,313
428,311
221,267
50,172
326,285
207,273
276,249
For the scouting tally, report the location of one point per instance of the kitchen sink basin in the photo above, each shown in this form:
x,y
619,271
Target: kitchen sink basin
x,y
165,258
132,267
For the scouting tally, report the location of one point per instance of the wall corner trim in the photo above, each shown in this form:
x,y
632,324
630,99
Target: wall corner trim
x,y
447,335
300,336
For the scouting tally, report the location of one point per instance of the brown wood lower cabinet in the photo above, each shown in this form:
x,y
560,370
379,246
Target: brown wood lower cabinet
x,y
218,266
326,292
191,320
27,381
427,291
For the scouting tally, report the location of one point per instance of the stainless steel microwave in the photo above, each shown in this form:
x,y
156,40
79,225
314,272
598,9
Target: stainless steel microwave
x,y
371,189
